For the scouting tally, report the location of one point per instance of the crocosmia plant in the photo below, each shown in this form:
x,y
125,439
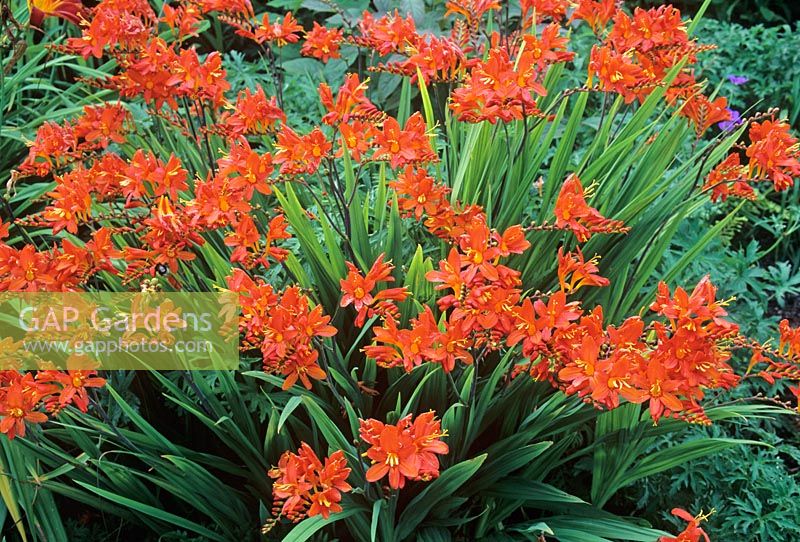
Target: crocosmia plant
x,y
446,225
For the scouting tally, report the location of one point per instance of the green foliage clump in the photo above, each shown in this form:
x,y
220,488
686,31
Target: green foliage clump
x,y
769,56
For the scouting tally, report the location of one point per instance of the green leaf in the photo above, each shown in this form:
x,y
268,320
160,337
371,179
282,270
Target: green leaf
x,y
308,527
449,482
153,512
287,410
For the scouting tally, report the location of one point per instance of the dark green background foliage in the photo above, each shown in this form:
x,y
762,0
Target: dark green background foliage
x,y
769,56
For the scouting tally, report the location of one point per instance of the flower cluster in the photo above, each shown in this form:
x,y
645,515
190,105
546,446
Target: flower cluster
x,y
773,155
404,451
23,395
482,288
574,214
64,267
283,326
503,87
57,145
304,486
638,54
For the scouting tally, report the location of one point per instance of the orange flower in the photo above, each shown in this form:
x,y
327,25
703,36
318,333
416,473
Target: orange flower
x,y
692,532
705,113
573,213
185,18
26,270
536,321
394,454
123,25
304,486
252,169
357,138
54,145
301,154
289,333
595,12
550,48
472,10
389,34
409,347
616,72
17,405
419,193
357,291
555,9
281,32
656,386
103,124
285,31
582,368
72,202
790,338
453,345
584,273
322,43
408,145
406,450
351,101
502,88
774,153
73,386
729,178
252,113
437,58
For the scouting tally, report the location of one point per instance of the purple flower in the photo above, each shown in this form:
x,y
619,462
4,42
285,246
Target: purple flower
x,y
728,125
738,79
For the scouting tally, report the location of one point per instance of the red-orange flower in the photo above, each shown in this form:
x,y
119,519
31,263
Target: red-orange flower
x,y
301,154
357,291
351,101
405,145
284,327
103,124
73,385
573,213
595,12
322,43
584,273
304,486
774,153
419,193
252,113
705,113
17,406
472,10
729,178
406,450
616,72
692,532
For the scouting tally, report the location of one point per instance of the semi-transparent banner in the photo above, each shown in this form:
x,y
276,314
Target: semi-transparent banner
x,y
113,331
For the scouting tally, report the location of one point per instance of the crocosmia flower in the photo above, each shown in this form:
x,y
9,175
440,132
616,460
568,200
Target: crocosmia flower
x,y
305,486
406,450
